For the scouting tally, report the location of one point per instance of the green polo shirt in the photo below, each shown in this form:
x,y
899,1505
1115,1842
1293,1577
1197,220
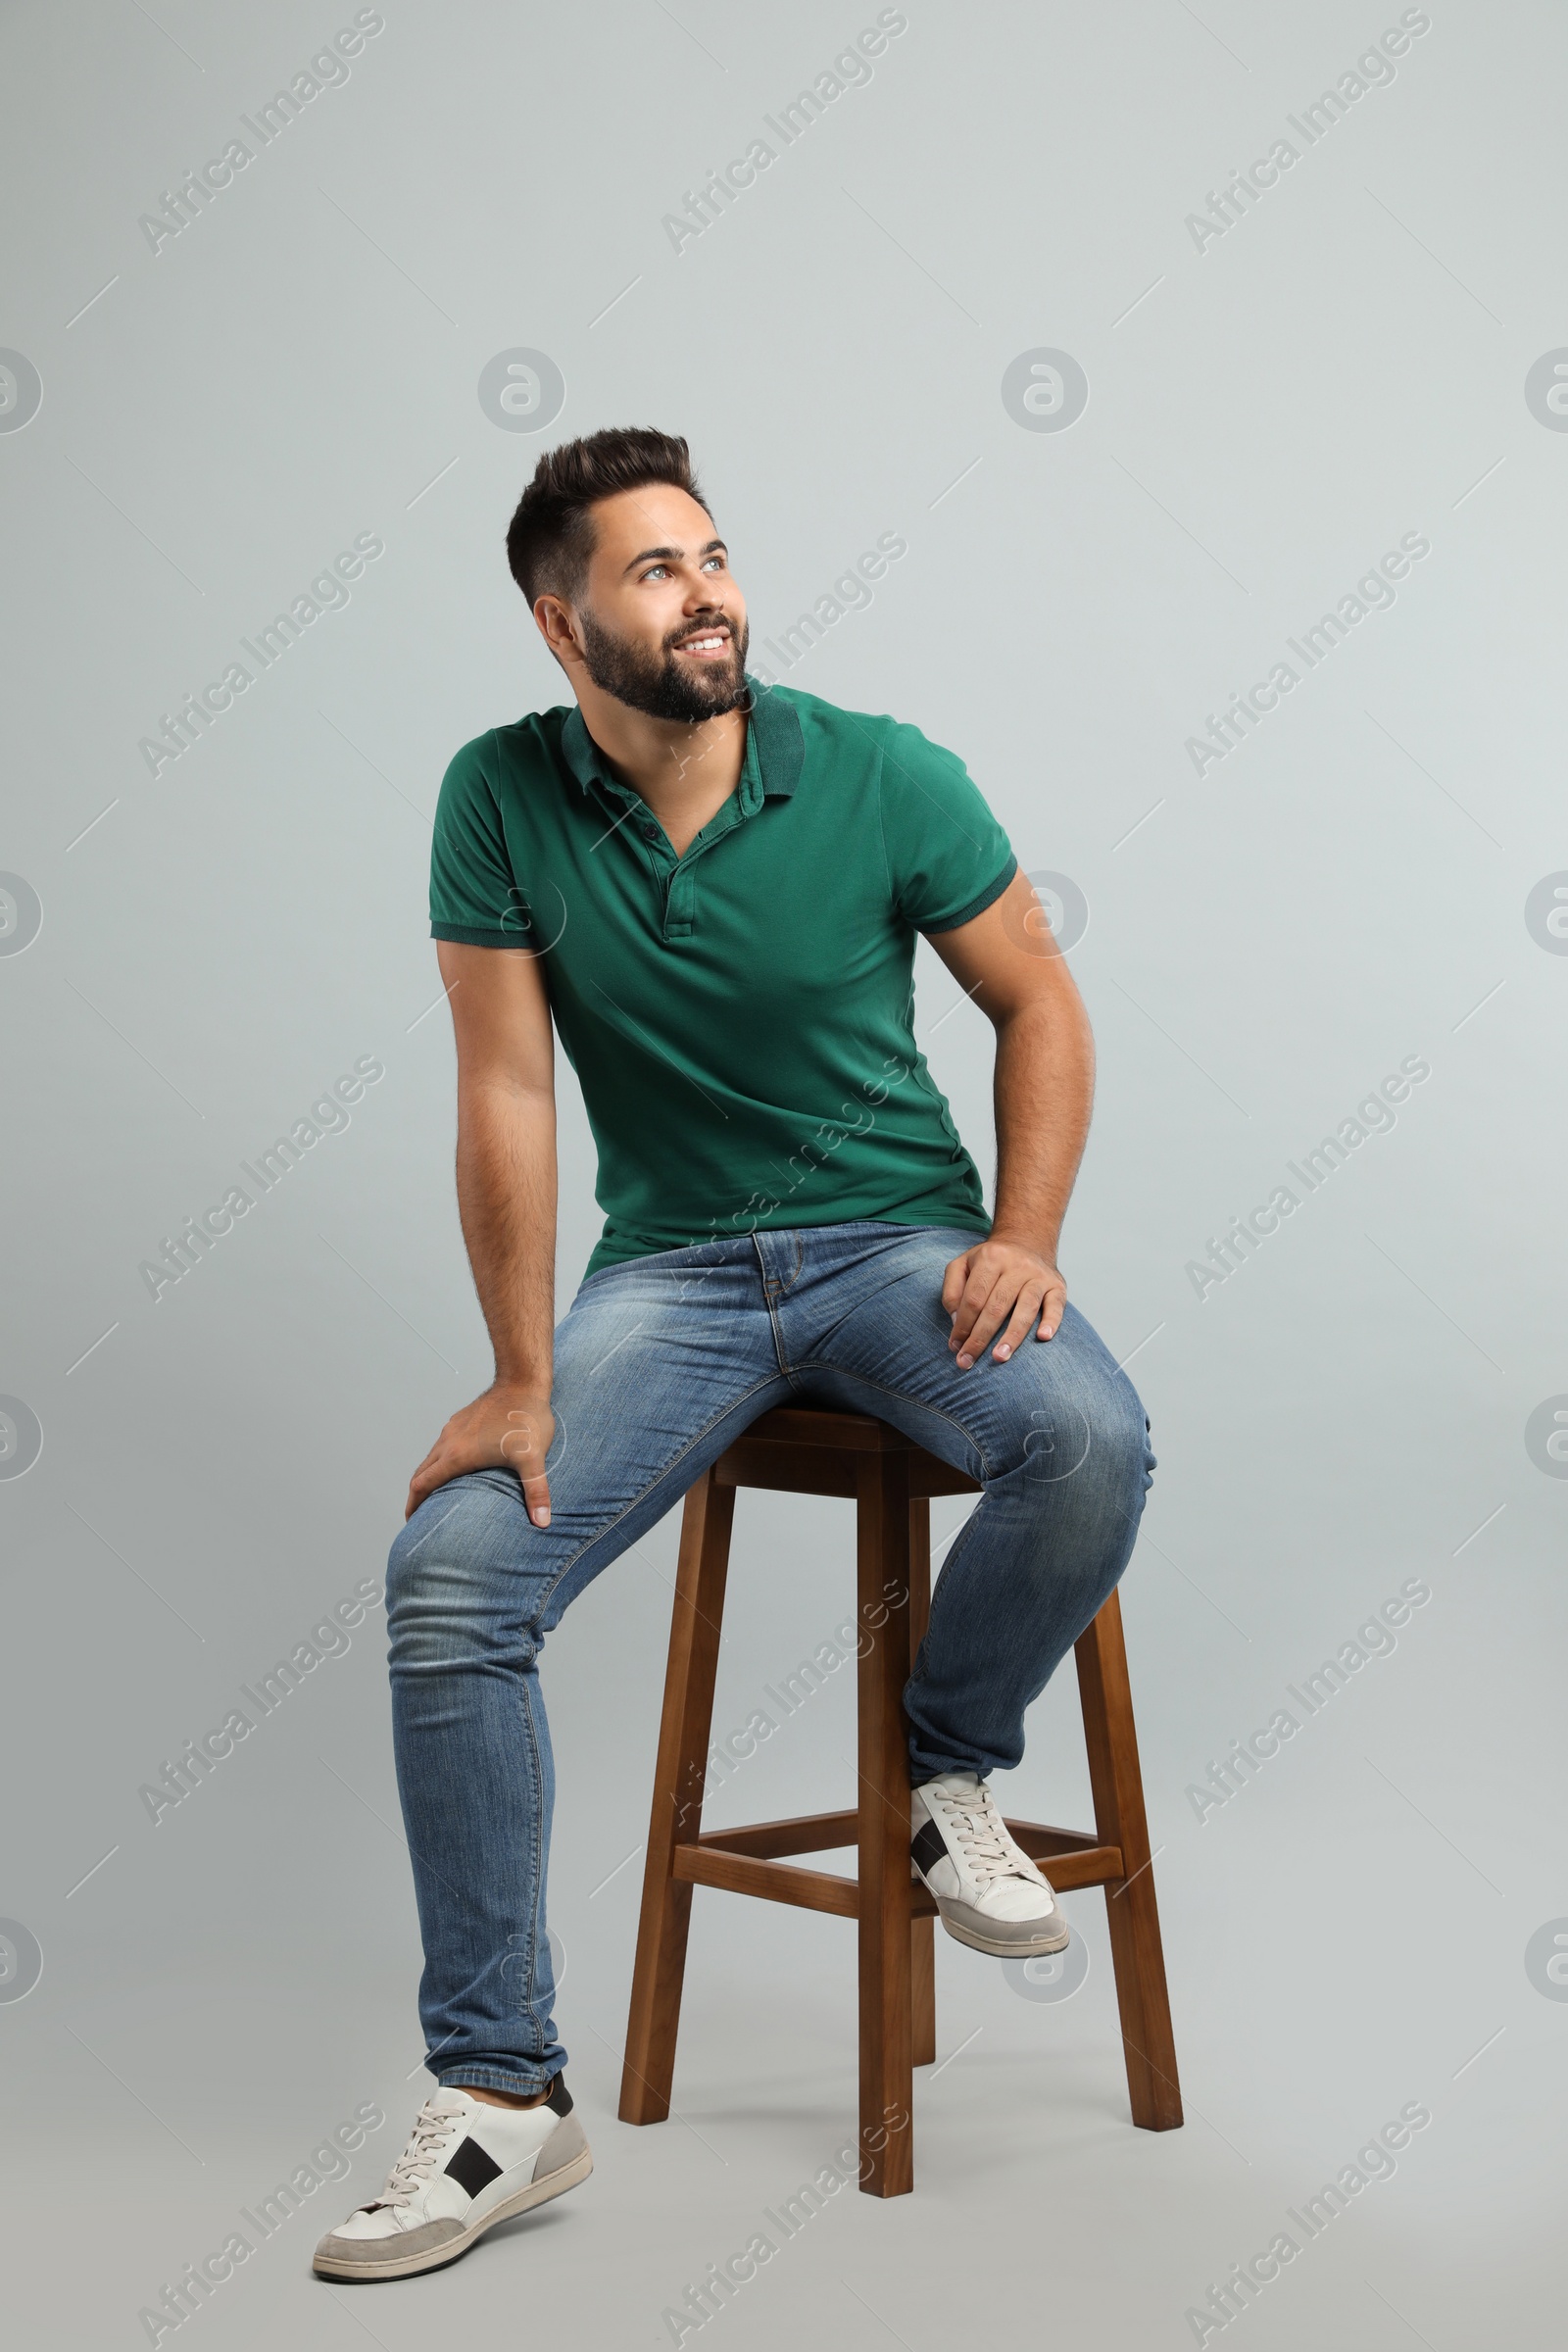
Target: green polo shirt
x,y
740,1018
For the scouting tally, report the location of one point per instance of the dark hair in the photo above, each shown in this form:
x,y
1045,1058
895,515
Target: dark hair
x,y
551,536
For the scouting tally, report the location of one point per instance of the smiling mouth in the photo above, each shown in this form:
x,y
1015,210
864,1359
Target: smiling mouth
x,y
709,646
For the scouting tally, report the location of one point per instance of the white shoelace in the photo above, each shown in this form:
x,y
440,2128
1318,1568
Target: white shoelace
x,y
988,1848
433,2128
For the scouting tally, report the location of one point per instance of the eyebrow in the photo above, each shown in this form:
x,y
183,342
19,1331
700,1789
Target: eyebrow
x,y
651,554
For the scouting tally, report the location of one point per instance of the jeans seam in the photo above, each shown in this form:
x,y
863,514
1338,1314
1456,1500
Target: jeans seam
x,y
784,1365
540,1858
643,1493
772,1292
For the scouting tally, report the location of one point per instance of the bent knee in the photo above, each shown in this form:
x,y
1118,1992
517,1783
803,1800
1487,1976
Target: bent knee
x,y
1090,1431
455,1554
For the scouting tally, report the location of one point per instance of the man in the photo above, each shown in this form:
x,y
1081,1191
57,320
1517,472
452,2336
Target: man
x,y
712,890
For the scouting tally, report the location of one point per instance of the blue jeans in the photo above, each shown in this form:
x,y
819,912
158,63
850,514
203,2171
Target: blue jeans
x,y
659,1365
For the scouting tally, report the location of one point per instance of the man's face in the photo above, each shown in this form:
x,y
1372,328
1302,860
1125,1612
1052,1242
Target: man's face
x,y
662,622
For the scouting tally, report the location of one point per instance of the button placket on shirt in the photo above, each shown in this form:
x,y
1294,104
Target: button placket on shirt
x,y
680,889
680,903
676,876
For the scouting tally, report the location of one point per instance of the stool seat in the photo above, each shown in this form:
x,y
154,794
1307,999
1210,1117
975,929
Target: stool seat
x,y
808,1450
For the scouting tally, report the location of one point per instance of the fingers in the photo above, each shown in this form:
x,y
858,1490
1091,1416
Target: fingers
x,y
524,1447
439,1468
953,1281
477,1440
978,1310
1020,1322
426,1480
964,1292
967,1338
1008,1297
1002,1298
1050,1308
423,1482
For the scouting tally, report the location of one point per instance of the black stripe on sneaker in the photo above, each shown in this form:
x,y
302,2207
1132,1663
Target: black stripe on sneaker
x,y
471,2168
927,1847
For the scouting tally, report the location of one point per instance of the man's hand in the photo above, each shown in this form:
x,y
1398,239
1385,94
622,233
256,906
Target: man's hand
x,y
509,1427
1001,1286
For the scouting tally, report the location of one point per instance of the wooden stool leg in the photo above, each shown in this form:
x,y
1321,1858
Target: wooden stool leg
x,y
677,1808
922,1931
1130,1908
887,2080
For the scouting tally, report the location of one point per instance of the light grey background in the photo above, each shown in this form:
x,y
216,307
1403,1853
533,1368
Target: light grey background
x,y
1266,416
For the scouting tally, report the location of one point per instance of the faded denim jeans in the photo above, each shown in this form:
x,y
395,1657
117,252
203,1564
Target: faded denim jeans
x,y
659,1365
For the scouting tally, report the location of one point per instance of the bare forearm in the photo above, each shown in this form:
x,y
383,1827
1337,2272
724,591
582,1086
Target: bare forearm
x,y
1010,1284
507,1200
1044,1092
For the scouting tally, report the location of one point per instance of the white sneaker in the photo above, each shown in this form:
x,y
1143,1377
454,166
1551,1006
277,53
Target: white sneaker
x,y
989,1893
468,2164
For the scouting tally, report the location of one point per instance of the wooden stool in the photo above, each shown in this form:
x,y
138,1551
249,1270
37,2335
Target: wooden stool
x,y
891,1479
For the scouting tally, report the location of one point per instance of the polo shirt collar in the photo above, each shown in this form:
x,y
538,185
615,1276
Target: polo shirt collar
x,y
773,740
776,729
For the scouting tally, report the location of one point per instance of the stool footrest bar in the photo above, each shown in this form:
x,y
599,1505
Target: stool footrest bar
x,y
744,1861
821,1833
775,1881
804,1833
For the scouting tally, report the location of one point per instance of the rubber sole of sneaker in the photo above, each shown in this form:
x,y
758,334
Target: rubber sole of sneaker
x,y
1012,1950
537,2192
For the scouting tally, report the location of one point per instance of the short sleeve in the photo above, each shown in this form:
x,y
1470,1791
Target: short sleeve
x,y
948,857
474,898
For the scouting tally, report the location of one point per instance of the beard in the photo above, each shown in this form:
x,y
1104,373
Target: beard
x,y
659,684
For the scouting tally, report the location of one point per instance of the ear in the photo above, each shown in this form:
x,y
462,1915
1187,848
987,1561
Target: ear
x,y
556,626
